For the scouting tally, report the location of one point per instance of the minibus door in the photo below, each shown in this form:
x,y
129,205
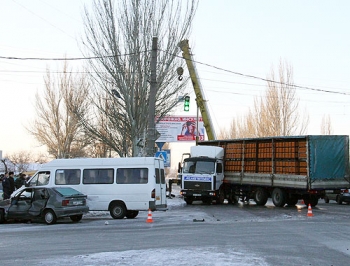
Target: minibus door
x,y
161,201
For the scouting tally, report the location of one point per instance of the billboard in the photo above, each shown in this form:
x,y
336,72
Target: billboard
x,y
180,128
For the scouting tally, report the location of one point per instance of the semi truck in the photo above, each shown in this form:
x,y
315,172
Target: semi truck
x,y
285,169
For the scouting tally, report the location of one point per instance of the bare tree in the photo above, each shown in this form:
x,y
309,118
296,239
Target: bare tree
x,y
5,162
21,160
277,113
119,36
326,125
56,126
8,164
41,158
231,133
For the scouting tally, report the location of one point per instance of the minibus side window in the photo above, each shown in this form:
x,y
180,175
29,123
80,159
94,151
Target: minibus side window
x,y
132,175
67,177
98,176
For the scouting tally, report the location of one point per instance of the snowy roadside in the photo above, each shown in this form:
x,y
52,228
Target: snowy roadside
x,y
162,256
207,256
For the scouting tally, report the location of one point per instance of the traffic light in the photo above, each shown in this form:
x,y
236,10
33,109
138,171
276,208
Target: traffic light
x,y
187,103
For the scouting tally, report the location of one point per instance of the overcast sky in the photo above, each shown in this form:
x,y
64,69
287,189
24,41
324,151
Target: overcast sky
x,y
235,44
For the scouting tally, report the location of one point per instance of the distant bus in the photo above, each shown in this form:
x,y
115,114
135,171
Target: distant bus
x,y
122,186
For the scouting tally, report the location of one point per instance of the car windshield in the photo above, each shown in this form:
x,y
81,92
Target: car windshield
x,y
67,191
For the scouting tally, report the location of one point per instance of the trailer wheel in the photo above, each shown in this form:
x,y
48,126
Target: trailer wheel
x,y
310,199
188,200
279,197
338,200
326,199
292,200
261,196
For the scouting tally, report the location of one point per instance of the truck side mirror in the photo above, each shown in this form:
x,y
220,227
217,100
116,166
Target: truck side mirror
x,y
179,168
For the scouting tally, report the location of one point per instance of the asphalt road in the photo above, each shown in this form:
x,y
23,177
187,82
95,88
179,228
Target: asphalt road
x,y
277,236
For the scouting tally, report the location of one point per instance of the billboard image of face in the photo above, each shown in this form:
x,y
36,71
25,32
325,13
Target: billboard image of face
x,y
180,128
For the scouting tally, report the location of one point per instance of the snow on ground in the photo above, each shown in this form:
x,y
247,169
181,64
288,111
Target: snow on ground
x,y
203,256
163,256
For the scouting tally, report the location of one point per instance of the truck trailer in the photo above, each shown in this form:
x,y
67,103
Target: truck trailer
x,y
285,169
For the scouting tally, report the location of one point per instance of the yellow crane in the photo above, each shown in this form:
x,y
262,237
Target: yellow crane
x,y
201,102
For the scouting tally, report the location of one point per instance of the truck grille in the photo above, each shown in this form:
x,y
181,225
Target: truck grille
x,y
197,185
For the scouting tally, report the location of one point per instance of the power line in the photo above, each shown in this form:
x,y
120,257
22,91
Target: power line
x,y
260,78
67,58
197,62
43,19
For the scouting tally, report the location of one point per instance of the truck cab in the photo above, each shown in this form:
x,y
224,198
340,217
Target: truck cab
x,y
202,174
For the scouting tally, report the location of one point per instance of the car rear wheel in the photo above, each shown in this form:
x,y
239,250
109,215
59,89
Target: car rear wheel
x,y
118,211
50,217
76,218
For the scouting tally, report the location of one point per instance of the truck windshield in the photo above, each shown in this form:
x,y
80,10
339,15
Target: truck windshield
x,y
199,167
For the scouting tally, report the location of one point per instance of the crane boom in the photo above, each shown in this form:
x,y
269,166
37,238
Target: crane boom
x,y
201,103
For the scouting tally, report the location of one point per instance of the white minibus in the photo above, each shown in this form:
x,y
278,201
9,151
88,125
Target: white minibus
x,y
122,186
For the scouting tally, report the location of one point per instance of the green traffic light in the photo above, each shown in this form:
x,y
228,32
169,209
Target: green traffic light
x,y
187,103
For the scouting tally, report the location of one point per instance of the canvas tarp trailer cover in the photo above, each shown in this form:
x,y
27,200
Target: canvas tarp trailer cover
x,y
326,156
329,157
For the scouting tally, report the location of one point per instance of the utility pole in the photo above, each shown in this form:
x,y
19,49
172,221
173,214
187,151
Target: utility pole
x,y
151,129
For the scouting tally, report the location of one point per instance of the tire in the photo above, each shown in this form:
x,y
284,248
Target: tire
x,y
2,216
189,200
221,196
232,198
326,199
131,214
313,201
76,218
339,201
309,199
279,197
261,196
292,200
50,217
117,211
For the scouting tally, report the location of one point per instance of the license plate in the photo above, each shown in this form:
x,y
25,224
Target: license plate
x,y
197,195
77,202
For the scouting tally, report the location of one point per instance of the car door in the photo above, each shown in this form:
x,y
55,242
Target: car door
x,y
20,205
40,198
